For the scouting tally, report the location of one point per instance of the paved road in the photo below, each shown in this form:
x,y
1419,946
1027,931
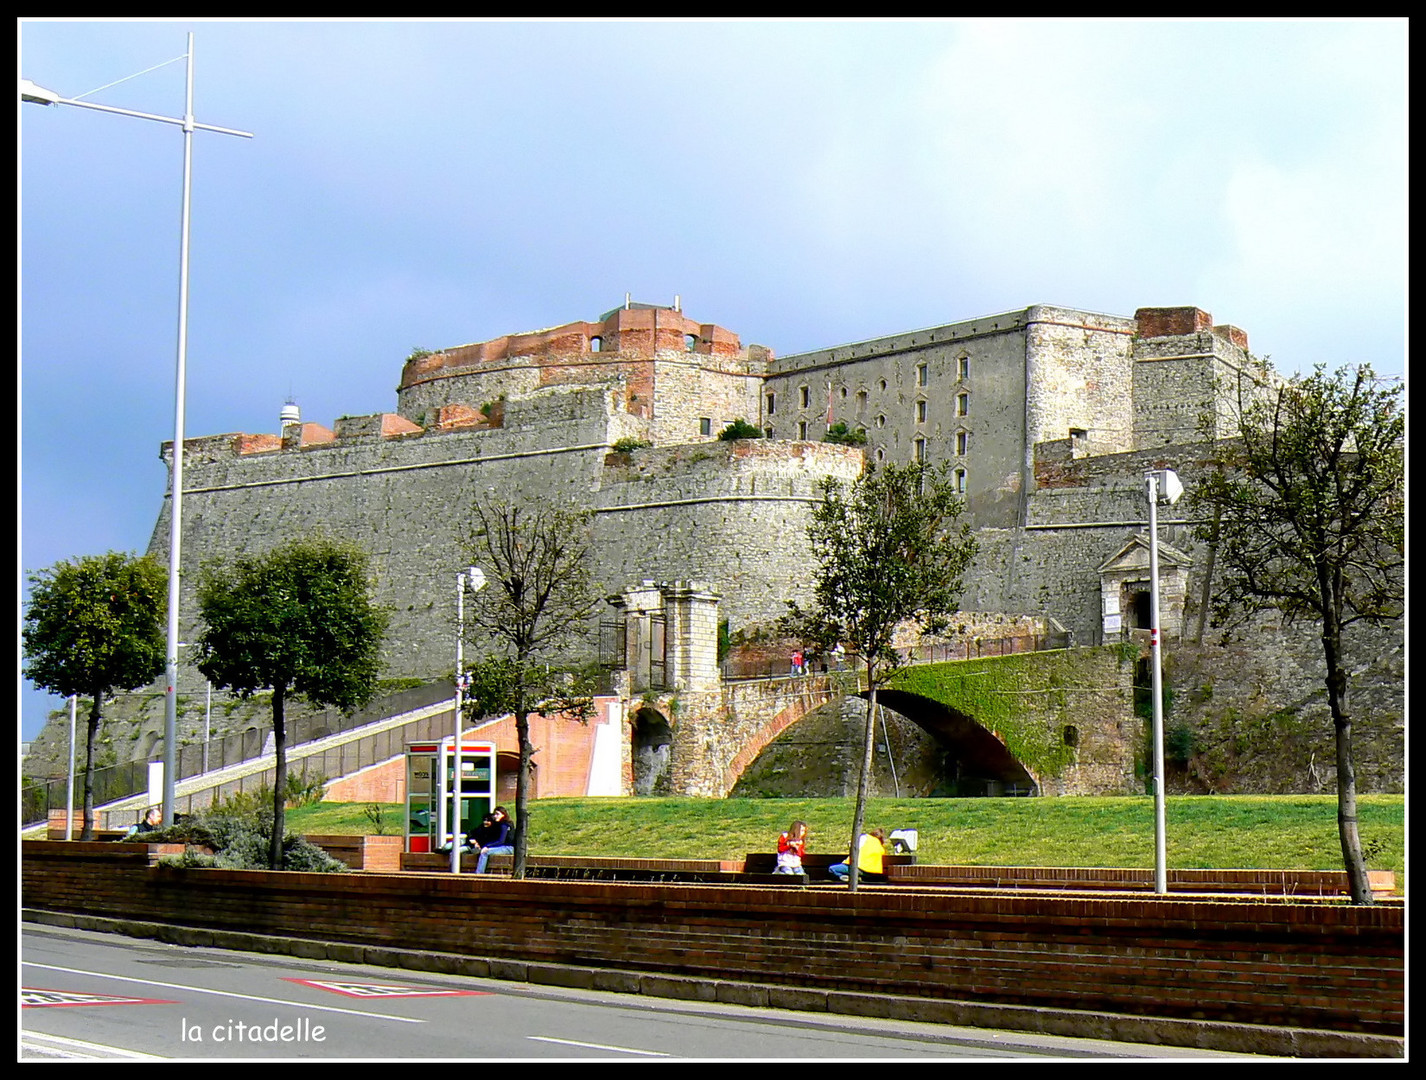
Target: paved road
x,y
90,996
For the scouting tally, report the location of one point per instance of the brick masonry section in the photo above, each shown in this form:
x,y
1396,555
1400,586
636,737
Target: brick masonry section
x,y
1321,966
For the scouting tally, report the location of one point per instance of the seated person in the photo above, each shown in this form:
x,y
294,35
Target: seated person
x,y
871,851
501,843
152,820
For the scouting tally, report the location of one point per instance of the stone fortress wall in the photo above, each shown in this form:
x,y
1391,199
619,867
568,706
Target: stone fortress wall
x,y
1019,403
1049,415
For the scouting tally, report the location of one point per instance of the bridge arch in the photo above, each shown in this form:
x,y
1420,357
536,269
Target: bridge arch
x,y
976,757
1056,722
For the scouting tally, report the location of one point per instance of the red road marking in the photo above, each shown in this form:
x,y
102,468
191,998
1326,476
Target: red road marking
x,y
388,990
34,998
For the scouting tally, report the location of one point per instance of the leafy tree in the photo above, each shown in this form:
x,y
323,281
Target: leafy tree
x,y
1308,501
298,620
537,604
846,436
94,626
891,550
740,429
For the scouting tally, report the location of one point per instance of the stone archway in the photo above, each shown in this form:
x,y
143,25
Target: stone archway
x,y
977,762
922,748
652,740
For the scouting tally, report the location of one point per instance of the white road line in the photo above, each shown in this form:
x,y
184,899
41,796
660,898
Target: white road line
x,y
599,1046
57,1046
226,993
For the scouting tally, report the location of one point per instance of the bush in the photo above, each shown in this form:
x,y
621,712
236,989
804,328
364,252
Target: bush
x,y
237,831
840,433
740,429
629,443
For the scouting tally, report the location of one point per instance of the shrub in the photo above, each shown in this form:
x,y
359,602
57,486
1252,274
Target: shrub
x,y
840,433
740,429
239,832
629,443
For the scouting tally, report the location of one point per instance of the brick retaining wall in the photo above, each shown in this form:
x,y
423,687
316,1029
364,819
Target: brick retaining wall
x,y
1269,961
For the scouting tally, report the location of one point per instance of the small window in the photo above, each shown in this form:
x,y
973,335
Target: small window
x,y
962,404
920,412
705,427
920,449
881,421
923,376
963,367
958,481
1078,434
802,430
883,384
690,342
596,344
880,454
805,395
771,404
962,443
861,400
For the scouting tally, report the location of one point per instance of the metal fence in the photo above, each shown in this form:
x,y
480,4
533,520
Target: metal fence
x,y
114,782
764,666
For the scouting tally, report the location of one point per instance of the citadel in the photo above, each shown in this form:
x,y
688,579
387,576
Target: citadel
x,y
1047,420
1048,417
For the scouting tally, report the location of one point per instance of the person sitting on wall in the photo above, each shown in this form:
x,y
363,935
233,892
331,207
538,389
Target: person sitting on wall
x,y
871,854
152,820
500,843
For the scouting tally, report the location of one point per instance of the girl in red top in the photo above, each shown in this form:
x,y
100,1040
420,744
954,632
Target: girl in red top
x,y
791,846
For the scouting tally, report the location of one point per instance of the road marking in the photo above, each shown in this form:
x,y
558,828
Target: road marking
x,y
56,1046
34,997
388,990
226,993
599,1046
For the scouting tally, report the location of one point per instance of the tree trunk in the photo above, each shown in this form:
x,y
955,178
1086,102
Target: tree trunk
x,y
522,792
279,779
87,829
863,781
1351,841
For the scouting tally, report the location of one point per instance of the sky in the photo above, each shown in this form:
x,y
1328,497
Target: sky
x,y
803,183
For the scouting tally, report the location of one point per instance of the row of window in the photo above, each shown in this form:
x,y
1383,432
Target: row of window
x,y
962,404
923,378
690,343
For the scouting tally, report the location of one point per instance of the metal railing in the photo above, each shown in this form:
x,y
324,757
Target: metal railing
x,y
736,668
114,782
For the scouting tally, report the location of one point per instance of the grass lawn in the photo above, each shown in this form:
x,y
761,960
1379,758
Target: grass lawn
x,y
1286,832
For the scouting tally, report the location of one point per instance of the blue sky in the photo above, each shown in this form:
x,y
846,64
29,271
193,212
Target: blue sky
x,y
802,183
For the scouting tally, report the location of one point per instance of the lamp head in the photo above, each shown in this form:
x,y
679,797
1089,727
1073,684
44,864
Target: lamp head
x,y
1170,488
37,95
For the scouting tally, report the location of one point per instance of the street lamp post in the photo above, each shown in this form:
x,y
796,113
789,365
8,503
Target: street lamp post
x,y
475,578
69,788
40,96
1163,486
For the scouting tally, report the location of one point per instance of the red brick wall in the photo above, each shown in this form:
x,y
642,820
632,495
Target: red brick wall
x,y
1172,321
1280,962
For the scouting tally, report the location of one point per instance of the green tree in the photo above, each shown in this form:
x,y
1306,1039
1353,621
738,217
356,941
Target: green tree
x,y
891,550
537,606
740,429
299,620
1308,501
846,436
94,626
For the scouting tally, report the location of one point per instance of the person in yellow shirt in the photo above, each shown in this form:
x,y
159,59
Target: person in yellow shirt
x,y
871,854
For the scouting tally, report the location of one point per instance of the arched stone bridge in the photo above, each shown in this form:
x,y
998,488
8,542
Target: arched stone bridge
x,y
1059,722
